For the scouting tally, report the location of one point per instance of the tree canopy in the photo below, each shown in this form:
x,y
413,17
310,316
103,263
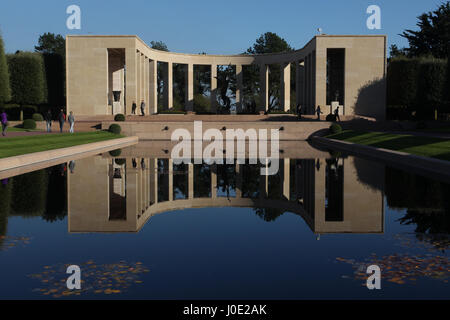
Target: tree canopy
x,y
5,91
49,43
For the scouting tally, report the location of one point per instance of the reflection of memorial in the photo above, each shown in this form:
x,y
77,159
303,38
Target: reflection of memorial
x,y
108,194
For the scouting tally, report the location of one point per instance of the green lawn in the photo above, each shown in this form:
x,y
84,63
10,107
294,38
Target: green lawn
x,y
423,146
21,145
14,129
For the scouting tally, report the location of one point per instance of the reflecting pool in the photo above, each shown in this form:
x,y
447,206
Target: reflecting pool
x,y
140,226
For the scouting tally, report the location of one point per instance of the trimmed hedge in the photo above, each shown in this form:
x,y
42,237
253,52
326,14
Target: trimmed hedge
x,y
13,111
120,161
29,124
37,117
115,128
335,128
331,118
119,117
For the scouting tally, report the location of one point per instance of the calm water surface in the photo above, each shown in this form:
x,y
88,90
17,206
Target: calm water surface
x,y
140,226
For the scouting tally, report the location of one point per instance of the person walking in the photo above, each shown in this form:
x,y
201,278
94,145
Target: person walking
x,y
133,108
71,119
336,114
142,108
299,111
48,120
4,120
61,119
318,111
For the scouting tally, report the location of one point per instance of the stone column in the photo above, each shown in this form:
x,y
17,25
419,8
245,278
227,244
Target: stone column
x,y
264,86
131,79
239,86
285,85
213,88
153,96
190,87
139,80
299,82
146,85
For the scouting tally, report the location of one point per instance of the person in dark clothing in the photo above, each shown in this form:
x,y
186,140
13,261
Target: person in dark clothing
x,y
48,120
299,111
318,111
133,108
4,120
61,119
143,108
336,114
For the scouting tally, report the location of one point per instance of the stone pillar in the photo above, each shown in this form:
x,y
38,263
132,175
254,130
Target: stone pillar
x,y
286,178
314,82
264,86
139,79
299,83
239,88
130,79
153,96
285,85
190,87
213,88
168,86
191,180
146,85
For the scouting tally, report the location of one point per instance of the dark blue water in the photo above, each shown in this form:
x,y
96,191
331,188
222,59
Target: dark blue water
x,y
371,214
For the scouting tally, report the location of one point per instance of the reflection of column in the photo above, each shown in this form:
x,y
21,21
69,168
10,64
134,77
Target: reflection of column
x,y
191,180
264,86
190,87
286,179
168,86
153,96
132,189
213,88
319,194
170,180
238,181
285,84
213,181
130,78
154,180
239,86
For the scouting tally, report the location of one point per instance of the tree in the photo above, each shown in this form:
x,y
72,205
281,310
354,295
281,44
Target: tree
x,y
159,45
5,91
49,43
268,42
433,35
27,79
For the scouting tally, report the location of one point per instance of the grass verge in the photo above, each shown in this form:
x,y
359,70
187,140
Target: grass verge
x,y
422,146
15,146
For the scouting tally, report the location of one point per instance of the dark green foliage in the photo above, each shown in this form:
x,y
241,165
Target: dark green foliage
x,y
433,35
120,161
5,91
159,45
37,117
330,117
54,68
335,128
30,193
27,79
56,208
49,43
201,103
115,128
116,152
430,93
29,124
402,79
13,111
5,204
119,117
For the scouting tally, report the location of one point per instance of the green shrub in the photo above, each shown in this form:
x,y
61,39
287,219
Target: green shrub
x,y
431,87
5,91
29,124
115,153
119,117
115,128
335,128
330,117
402,80
13,111
120,161
37,117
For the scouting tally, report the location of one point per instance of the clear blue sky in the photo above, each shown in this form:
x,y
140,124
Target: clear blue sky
x,y
214,27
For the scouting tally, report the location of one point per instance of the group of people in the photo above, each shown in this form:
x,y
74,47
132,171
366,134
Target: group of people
x,y
48,119
134,107
318,112
61,119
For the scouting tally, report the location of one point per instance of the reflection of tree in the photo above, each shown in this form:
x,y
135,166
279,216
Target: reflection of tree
x,y
427,221
276,182
268,214
56,197
226,178
29,197
370,173
202,181
250,180
180,181
5,206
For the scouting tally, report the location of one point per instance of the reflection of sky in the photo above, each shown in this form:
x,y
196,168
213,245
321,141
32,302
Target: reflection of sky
x,y
215,253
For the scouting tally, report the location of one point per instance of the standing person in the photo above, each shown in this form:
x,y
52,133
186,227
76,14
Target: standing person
x,y
71,121
318,111
143,107
72,166
4,120
48,120
133,108
61,119
336,114
299,111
